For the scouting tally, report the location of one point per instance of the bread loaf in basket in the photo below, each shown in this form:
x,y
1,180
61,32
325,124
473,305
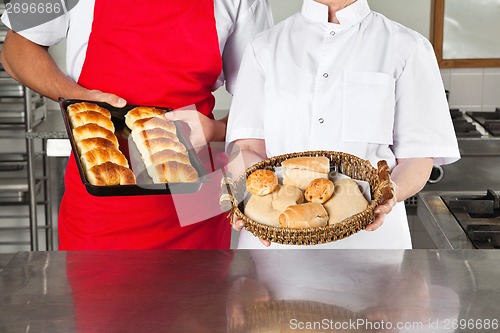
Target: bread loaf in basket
x,y
234,192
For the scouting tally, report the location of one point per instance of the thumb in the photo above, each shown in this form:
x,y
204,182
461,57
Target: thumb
x,y
111,99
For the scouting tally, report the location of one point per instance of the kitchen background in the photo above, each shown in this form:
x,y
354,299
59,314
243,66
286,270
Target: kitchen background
x,y
471,89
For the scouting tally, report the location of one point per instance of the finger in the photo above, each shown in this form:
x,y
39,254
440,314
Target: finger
x,y
379,220
238,225
111,99
266,243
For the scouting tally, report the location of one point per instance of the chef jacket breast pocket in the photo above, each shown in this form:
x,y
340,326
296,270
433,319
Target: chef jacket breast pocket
x,y
368,107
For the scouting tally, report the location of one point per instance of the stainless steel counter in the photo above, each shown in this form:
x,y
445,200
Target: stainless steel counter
x,y
251,291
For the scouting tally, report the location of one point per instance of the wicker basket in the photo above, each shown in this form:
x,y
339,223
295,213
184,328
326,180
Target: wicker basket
x,y
349,165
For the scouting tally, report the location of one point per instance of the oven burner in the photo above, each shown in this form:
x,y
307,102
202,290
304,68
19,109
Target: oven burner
x,y
479,216
489,120
463,127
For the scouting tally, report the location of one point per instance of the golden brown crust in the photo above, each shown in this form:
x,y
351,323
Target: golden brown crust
x,y
318,164
86,145
142,112
109,173
93,131
92,117
84,106
166,155
347,200
319,190
153,146
101,155
154,122
173,172
139,136
307,215
261,182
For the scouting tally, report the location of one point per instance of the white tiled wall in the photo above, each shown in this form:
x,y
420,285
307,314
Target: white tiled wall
x,y
473,89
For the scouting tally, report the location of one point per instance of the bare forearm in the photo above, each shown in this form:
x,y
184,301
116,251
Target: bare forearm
x,y
410,176
244,154
32,65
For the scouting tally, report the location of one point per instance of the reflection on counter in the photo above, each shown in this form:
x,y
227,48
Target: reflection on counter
x,y
249,291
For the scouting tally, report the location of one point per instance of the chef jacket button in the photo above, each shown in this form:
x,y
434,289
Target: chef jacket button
x,y
325,75
321,120
332,33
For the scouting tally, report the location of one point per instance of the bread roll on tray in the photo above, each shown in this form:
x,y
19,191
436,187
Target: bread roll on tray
x,y
154,122
84,106
166,155
300,171
92,117
86,145
139,136
150,147
261,182
101,155
172,172
93,131
307,215
142,112
109,173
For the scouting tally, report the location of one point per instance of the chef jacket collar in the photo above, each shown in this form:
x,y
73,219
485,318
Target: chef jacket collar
x,y
349,16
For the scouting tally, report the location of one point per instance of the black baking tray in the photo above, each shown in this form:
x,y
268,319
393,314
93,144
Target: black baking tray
x,y
145,185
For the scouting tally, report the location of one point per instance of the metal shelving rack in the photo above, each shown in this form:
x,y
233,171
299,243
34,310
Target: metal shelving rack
x,y
21,184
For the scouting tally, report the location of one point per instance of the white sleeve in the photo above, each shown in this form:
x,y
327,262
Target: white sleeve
x,y
46,34
246,116
423,125
255,20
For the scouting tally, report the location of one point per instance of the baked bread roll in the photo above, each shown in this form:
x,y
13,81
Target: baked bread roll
x,y
166,155
154,122
109,173
100,155
93,131
300,171
347,200
91,117
150,147
172,172
139,136
142,112
261,182
86,145
286,196
319,190
260,209
84,106
307,215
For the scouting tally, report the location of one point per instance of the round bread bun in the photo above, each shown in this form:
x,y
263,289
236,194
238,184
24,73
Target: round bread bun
x,y
319,190
261,182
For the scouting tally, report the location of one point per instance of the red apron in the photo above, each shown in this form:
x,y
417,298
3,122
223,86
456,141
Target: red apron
x,y
150,53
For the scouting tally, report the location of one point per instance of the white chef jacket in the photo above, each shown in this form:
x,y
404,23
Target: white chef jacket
x,y
237,22
367,86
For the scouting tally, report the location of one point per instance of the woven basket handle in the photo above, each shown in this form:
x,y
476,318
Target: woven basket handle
x,y
227,200
384,175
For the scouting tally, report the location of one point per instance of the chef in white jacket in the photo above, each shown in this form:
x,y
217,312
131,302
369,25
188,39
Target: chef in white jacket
x,y
338,76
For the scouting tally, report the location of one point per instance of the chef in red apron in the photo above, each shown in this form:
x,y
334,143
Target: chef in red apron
x,y
167,54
